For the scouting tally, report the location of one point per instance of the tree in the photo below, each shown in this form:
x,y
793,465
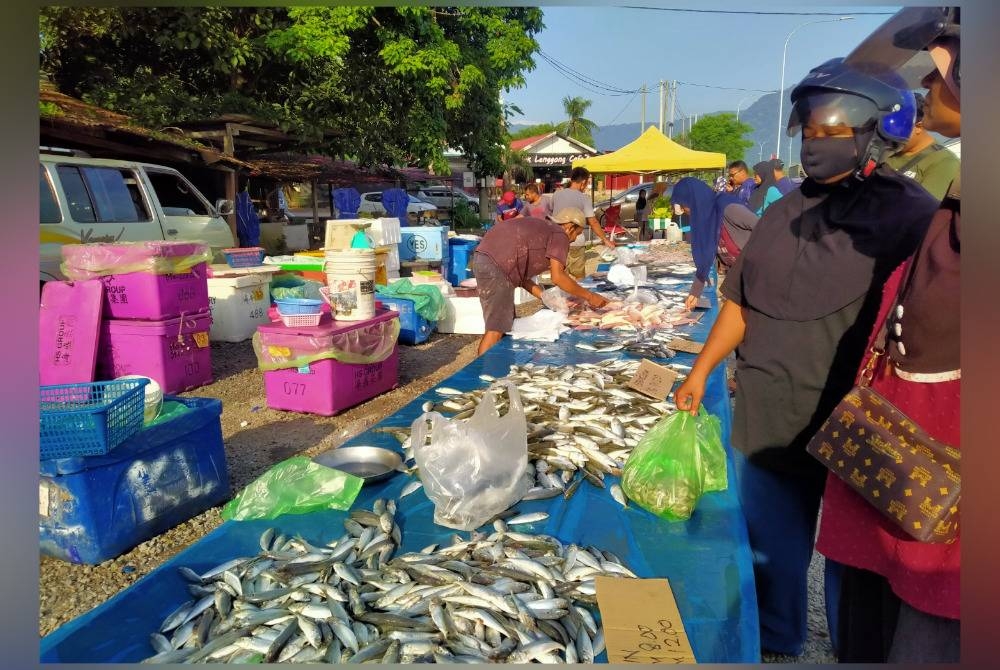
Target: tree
x,y
535,130
383,85
721,133
577,126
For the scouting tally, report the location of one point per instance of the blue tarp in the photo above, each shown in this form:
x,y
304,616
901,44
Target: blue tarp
x,y
247,221
395,201
707,558
347,201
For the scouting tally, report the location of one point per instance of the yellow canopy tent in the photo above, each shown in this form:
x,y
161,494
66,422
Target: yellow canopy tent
x,y
652,152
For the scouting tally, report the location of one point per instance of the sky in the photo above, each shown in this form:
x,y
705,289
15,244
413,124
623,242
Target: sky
x,y
622,48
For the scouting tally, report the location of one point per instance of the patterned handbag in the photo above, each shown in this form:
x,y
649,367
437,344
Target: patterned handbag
x,y
910,477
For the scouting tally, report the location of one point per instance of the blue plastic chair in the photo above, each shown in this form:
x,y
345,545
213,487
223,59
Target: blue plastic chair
x,y
347,201
395,201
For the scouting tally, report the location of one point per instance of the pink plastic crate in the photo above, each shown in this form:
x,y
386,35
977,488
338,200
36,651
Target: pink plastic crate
x,y
174,352
327,387
144,295
69,325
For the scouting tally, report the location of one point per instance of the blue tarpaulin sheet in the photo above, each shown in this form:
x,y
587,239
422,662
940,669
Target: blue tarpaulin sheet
x,y
706,559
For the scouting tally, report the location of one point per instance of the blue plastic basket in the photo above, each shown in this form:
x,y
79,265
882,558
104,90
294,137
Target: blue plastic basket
x,y
246,257
89,419
290,306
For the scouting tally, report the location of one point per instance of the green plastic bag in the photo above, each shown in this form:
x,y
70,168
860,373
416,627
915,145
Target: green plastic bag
x,y
294,486
679,459
427,299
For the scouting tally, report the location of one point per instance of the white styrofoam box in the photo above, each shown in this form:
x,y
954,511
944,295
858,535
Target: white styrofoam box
x,y
297,237
385,230
521,296
464,315
340,232
392,260
391,275
239,304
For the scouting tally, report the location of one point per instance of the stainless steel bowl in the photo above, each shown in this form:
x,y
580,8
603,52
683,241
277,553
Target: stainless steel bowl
x,y
373,464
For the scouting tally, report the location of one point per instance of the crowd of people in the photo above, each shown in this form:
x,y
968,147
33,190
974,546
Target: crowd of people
x,y
854,271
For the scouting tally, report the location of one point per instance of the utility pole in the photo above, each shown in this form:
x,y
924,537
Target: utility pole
x,y
662,105
642,121
673,105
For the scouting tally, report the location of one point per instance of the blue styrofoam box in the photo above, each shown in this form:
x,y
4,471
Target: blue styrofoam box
x,y
461,255
413,328
424,243
94,508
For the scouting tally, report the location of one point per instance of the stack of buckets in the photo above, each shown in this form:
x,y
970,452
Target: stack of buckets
x,y
350,276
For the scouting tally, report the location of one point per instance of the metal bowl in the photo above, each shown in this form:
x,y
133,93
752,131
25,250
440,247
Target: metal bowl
x,y
373,464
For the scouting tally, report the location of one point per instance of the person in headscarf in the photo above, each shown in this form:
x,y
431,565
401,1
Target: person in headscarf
x,y
785,185
900,598
801,300
766,190
705,207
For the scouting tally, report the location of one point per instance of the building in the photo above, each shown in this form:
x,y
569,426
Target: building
x,y
551,155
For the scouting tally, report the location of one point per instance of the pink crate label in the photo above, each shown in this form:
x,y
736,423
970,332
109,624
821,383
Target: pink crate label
x,y
65,328
295,389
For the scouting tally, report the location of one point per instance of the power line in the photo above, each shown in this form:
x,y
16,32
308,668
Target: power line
x,y
733,11
630,100
584,80
728,88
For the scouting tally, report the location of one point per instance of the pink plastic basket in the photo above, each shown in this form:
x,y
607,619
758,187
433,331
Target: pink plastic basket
x,y
295,320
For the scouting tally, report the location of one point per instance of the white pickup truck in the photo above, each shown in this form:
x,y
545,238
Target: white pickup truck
x,y
103,200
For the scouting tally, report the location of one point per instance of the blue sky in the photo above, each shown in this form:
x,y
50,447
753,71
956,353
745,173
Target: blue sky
x,y
626,48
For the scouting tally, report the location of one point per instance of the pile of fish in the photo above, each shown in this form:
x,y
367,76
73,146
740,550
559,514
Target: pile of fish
x,y
583,421
504,597
629,317
649,344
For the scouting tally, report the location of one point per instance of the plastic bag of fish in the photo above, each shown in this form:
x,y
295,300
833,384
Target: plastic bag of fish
x,y
506,597
678,460
473,469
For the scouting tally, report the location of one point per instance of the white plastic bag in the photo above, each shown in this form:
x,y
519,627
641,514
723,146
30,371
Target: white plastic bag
x,y
473,469
625,255
556,299
621,276
544,325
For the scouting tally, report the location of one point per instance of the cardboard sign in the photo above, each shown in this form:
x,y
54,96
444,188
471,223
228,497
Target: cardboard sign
x,y
641,621
688,346
653,380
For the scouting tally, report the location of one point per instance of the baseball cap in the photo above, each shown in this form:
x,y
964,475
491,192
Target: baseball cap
x,y
508,198
570,215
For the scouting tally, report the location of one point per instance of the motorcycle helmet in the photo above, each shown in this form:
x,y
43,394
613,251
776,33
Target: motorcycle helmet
x,y
871,100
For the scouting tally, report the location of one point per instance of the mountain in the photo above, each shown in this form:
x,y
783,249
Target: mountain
x,y
762,115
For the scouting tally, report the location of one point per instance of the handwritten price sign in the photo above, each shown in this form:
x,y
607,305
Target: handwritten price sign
x,y
641,622
653,380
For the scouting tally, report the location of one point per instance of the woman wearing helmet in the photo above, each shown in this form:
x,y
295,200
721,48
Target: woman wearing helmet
x,y
899,598
802,298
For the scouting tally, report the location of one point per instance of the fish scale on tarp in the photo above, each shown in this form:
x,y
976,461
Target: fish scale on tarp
x,y
707,558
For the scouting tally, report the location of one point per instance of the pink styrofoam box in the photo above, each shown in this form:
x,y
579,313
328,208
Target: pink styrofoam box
x,y
327,387
173,352
371,339
69,326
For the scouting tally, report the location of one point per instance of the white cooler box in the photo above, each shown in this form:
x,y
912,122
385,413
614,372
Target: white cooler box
x,y
464,315
239,304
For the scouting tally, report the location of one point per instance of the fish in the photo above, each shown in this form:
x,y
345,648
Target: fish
x,y
533,517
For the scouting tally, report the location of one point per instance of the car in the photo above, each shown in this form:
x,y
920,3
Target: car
x,y
83,199
444,196
416,210
626,199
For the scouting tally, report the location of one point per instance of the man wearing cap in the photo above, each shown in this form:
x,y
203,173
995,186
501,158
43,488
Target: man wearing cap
x,y
574,196
924,160
508,207
512,254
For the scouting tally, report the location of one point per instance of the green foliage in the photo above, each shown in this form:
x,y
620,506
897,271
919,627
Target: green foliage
x,y
383,85
577,126
721,133
463,217
532,131
48,109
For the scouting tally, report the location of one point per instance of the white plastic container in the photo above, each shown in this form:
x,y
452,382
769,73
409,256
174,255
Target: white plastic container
x,y
239,304
350,276
392,260
463,315
154,398
384,231
673,231
340,232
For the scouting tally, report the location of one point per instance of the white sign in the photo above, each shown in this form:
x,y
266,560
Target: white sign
x,y
468,180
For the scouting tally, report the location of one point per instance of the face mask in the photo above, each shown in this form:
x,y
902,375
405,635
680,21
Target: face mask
x,y
826,157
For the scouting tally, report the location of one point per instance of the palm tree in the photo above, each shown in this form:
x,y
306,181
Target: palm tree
x,y
577,126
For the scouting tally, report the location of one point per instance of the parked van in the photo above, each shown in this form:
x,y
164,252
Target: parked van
x,y
103,200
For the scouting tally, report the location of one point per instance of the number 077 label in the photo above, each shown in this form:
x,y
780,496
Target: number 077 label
x,y
641,622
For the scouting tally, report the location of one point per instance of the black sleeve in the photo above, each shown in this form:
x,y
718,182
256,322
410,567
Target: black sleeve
x,y
732,286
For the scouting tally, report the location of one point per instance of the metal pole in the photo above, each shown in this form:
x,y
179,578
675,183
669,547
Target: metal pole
x,y
662,106
673,105
642,121
739,105
760,155
781,88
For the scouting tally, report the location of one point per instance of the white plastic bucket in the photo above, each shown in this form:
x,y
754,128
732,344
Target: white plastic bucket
x,y
350,276
673,231
153,400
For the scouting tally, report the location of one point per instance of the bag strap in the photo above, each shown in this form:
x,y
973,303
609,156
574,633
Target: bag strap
x,y
934,148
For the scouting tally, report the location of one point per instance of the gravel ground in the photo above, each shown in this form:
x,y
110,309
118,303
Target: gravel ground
x,y
67,590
